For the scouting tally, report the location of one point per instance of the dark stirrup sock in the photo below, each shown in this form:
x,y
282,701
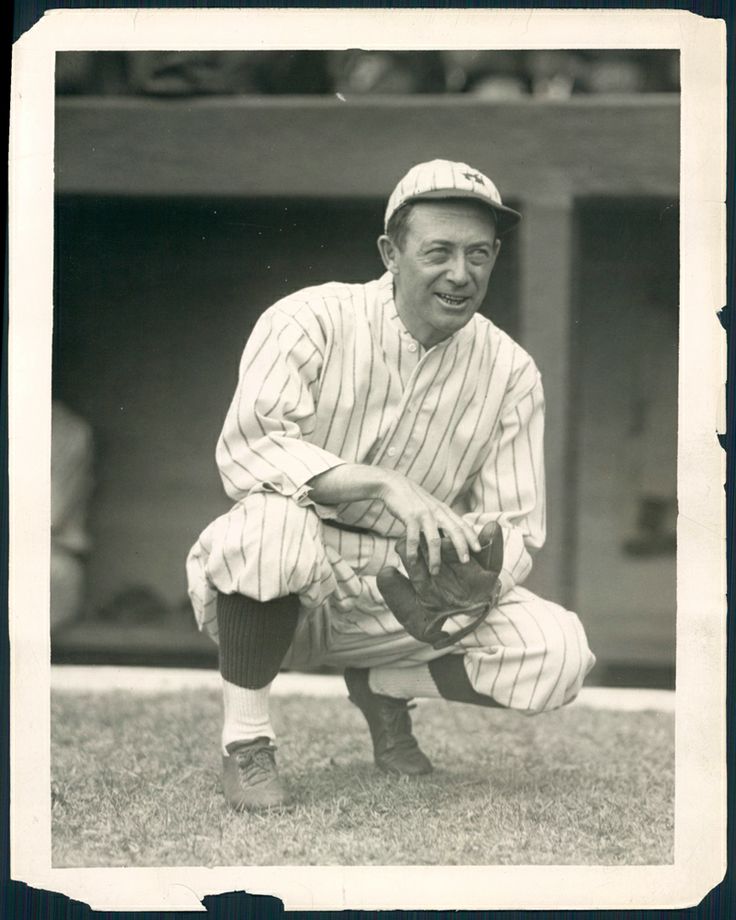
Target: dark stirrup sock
x,y
452,681
254,637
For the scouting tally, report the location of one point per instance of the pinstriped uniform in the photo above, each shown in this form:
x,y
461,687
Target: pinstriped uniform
x,y
331,375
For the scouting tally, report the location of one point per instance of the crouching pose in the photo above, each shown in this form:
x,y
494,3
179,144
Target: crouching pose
x,y
383,451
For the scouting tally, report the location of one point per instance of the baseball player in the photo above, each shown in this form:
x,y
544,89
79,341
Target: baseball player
x,y
383,452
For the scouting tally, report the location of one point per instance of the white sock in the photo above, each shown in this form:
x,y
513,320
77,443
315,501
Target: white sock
x,y
246,714
403,683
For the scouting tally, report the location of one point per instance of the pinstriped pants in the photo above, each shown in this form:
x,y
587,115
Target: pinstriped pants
x,y
529,654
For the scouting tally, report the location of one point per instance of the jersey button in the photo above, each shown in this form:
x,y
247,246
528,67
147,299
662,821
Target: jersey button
x,y
391,451
412,346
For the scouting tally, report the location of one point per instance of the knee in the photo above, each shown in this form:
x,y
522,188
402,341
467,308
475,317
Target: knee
x,y
567,660
274,520
284,532
583,662
273,506
261,545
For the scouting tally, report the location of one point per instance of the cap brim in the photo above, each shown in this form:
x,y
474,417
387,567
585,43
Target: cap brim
x,y
506,218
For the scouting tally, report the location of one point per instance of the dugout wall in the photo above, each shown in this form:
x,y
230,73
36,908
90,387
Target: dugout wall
x,y
178,221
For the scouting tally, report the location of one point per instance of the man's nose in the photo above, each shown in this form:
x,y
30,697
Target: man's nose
x,y
457,271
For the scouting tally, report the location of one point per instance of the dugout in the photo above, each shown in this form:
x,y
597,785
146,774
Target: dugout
x,y
178,221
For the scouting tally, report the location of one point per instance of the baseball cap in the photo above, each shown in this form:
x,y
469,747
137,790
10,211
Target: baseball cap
x,y
439,179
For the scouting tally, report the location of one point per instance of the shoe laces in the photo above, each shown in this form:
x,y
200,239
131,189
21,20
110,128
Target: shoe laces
x,y
257,764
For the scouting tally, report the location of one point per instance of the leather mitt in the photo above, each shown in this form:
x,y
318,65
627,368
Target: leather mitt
x,y
422,602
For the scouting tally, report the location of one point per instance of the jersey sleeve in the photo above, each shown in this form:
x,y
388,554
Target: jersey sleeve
x,y
510,486
264,444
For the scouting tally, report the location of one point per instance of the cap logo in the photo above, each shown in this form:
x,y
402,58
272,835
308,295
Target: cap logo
x,y
474,177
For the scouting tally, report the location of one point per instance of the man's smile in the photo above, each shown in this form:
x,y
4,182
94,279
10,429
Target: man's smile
x,y
451,300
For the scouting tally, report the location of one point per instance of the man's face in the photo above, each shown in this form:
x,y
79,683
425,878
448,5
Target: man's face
x,y
442,270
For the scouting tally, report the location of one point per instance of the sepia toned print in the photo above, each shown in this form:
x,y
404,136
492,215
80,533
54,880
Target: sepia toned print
x,y
303,419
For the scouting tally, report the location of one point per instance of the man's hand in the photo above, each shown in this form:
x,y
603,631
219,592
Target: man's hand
x,y
423,602
422,514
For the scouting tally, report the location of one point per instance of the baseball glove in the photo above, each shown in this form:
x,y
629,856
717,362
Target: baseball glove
x,y
422,602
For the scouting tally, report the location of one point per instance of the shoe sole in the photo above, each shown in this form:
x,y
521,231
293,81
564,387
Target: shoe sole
x,y
390,771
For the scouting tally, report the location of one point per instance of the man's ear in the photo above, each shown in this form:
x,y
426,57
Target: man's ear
x,y
387,248
496,250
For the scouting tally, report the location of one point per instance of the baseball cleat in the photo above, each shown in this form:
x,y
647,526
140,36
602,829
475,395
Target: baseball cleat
x,y
395,749
250,778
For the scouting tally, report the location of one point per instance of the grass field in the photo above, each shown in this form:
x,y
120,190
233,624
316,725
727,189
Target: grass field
x,y
136,781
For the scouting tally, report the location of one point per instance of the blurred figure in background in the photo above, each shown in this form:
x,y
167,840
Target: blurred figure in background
x,y
181,73
71,486
192,73
493,75
490,74
91,73
627,72
617,72
184,73
554,74
387,72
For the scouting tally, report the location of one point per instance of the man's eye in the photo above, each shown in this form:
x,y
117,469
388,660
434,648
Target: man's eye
x,y
437,253
479,256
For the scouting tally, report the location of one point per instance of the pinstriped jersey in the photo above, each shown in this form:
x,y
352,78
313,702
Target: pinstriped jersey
x,y
331,375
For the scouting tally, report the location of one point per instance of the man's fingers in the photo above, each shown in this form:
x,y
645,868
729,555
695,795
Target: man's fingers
x,y
461,533
459,539
417,570
412,540
471,536
461,530
425,522
434,548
